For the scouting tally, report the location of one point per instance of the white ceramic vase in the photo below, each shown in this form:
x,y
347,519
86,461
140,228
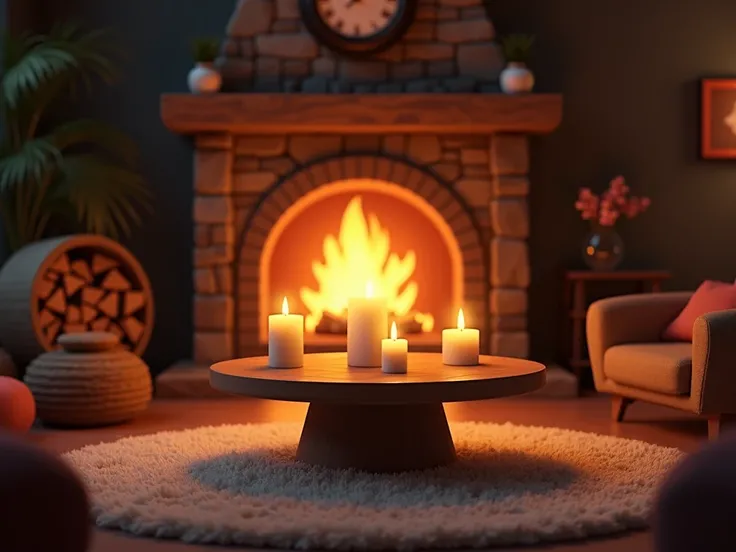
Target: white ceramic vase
x,y
516,78
204,79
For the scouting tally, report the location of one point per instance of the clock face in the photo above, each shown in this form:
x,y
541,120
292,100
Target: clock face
x,y
358,18
357,27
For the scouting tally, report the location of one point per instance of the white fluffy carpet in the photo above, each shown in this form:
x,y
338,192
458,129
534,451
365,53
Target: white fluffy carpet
x,y
240,485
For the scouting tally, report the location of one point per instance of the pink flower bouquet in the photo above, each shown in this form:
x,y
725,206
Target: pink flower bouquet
x,y
606,209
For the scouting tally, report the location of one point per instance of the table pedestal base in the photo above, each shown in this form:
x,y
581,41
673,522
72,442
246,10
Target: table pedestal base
x,y
376,438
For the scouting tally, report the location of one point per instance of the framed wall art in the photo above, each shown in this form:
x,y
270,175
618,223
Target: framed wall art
x,y
718,118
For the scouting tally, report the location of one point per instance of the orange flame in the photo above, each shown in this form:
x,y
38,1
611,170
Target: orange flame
x,y
358,263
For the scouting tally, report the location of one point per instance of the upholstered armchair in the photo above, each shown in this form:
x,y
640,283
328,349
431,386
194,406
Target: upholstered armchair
x,y
631,362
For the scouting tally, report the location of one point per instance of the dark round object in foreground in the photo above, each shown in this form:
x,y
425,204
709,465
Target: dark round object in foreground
x,y
695,507
44,505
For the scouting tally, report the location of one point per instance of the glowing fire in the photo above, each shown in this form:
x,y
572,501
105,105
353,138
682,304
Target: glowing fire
x,y
357,259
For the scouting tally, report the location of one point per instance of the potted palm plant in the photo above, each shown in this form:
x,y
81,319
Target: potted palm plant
x,y
204,78
58,173
517,78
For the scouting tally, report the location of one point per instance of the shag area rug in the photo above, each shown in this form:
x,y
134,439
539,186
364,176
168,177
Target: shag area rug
x,y
240,484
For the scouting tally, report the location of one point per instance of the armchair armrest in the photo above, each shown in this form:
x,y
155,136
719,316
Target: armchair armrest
x,y
639,318
714,362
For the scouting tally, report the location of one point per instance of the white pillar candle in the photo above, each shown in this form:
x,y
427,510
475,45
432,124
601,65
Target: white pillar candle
x,y
461,345
367,325
394,353
285,339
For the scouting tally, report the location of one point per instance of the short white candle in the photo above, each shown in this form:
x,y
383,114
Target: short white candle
x,y
461,345
367,325
394,353
285,339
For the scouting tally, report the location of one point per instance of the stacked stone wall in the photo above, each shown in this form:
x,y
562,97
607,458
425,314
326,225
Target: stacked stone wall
x,y
450,47
244,183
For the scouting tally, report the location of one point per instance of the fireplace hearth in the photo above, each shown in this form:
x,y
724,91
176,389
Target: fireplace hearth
x,y
310,192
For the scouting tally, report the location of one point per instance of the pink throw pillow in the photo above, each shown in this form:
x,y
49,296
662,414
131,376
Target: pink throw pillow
x,y
711,296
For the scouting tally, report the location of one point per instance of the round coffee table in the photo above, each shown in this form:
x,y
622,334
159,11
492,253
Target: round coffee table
x,y
364,419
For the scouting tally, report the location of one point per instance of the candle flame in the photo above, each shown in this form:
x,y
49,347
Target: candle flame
x,y
369,289
394,333
460,320
285,307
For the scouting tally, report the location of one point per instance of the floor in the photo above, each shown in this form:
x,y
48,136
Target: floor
x,y
645,422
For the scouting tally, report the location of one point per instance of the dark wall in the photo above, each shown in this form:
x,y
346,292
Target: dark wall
x,y
628,70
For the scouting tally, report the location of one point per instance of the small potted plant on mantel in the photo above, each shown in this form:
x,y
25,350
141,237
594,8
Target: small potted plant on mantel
x,y
204,78
517,78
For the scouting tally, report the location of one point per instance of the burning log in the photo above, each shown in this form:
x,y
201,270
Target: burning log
x,y
338,325
332,324
408,324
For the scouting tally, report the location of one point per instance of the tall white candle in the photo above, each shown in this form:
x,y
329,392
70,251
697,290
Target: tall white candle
x,y
394,353
285,339
367,325
461,345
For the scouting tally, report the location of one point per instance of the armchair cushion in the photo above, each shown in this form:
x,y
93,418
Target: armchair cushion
x,y
711,296
658,367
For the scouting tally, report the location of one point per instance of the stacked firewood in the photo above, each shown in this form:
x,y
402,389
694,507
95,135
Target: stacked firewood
x,y
92,293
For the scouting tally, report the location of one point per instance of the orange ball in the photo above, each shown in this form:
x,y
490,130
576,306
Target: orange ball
x,y
17,406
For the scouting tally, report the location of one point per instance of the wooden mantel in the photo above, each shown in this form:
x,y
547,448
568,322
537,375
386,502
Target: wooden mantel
x,y
361,113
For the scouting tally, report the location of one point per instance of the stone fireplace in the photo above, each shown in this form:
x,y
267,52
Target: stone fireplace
x,y
322,173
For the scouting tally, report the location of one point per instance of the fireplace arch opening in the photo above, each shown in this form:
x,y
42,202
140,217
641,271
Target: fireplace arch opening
x,y
322,233
332,242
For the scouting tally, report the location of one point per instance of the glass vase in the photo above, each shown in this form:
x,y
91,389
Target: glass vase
x,y
603,248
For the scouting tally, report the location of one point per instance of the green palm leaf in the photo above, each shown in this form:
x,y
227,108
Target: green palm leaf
x,y
96,134
91,48
30,163
67,54
38,66
15,47
106,198
81,170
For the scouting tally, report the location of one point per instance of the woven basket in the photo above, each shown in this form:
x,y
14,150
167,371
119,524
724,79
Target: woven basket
x,y
91,382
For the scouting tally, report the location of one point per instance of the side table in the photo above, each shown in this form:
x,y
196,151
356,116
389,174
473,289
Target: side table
x,y
576,300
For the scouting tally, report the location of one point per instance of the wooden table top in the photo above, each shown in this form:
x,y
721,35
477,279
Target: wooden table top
x,y
325,377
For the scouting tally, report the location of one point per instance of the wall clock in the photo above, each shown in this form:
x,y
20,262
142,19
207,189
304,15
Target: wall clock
x,y
357,27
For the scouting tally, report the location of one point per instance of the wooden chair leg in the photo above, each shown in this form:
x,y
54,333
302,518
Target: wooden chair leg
x,y
714,427
619,406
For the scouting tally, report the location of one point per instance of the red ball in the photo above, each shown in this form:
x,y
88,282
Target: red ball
x,y
17,406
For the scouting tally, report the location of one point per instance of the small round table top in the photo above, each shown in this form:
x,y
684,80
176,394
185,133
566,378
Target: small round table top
x,y
326,377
